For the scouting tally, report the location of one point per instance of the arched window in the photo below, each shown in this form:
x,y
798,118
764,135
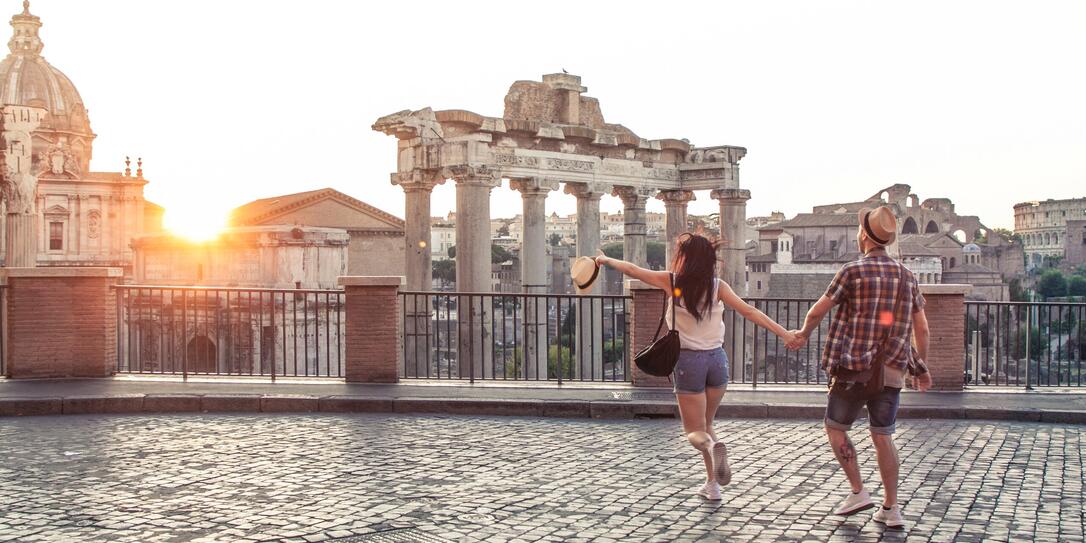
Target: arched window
x,y
909,227
931,228
953,262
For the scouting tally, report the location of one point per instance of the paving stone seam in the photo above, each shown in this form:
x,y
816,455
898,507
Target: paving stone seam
x,y
600,409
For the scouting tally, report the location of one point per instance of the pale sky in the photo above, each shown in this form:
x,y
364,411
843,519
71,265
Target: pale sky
x,y
228,101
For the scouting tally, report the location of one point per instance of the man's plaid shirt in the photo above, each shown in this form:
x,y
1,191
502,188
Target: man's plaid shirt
x,y
865,290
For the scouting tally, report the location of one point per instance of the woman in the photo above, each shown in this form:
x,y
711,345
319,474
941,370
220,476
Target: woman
x,y
701,374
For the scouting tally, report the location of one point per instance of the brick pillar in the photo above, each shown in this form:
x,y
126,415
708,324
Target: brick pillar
x,y
374,328
945,310
645,308
61,322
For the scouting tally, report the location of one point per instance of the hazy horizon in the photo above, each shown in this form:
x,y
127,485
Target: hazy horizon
x,y
978,102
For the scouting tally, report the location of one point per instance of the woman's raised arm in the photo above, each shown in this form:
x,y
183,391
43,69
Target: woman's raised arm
x,y
658,279
751,313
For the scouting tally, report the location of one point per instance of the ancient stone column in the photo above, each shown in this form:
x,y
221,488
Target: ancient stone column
x,y
589,318
473,185
733,220
634,227
417,186
675,207
20,187
533,272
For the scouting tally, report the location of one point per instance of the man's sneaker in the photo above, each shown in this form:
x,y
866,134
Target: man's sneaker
x,y
721,468
890,517
710,491
854,503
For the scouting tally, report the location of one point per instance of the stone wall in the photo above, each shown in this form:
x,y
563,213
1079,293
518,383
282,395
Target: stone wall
x,y
1075,244
789,285
375,254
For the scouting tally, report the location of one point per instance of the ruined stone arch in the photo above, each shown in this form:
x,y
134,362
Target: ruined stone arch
x,y
959,235
931,228
909,226
980,234
202,355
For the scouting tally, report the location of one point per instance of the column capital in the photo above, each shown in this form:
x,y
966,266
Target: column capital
x,y
417,180
533,186
473,174
589,191
730,195
633,196
676,197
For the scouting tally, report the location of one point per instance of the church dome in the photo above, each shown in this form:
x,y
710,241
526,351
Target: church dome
x,y
27,79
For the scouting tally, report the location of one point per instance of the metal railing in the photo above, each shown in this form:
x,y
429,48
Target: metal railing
x,y
3,328
764,358
230,331
515,337
1030,344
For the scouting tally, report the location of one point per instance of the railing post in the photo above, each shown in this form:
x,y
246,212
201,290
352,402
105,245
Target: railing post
x,y
645,307
61,322
945,310
1029,332
374,327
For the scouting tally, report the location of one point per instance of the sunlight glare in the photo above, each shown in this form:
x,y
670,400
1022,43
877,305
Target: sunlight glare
x,y
194,223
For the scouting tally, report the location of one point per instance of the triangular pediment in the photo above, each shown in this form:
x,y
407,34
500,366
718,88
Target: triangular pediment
x,y
56,210
327,207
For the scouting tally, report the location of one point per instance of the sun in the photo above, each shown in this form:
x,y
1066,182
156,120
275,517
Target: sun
x,y
194,223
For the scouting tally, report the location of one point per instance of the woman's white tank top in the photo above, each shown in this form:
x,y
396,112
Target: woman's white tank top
x,y
703,335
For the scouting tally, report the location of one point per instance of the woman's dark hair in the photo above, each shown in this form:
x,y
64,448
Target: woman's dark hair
x,y
694,265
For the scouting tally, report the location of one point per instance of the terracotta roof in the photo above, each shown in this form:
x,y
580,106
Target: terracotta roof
x,y
264,209
914,247
826,258
971,268
821,219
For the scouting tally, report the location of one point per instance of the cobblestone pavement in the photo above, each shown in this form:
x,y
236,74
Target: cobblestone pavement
x,y
305,478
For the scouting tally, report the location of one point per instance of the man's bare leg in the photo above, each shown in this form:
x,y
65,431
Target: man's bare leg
x,y
846,457
886,452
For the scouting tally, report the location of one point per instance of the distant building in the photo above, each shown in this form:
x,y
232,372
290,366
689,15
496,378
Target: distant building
x,y
376,237
275,256
1045,228
797,258
85,218
442,238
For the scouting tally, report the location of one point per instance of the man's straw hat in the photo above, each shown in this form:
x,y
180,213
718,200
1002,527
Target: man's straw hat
x,y
583,271
879,224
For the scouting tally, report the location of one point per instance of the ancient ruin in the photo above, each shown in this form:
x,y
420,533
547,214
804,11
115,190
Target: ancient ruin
x,y
550,134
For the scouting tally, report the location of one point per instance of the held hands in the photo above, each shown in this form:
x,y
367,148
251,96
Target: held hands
x,y
794,340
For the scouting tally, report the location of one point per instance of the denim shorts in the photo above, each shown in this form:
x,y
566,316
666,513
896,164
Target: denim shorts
x,y
699,369
842,411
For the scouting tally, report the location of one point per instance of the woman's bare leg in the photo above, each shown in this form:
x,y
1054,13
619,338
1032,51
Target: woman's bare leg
x,y
692,412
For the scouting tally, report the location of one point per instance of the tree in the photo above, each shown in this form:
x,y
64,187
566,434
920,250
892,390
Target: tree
x,y
504,230
1007,235
554,240
613,250
498,254
656,255
1076,286
1018,294
445,271
1052,284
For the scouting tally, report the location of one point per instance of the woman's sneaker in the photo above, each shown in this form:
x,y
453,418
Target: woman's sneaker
x,y
890,517
854,503
710,491
721,468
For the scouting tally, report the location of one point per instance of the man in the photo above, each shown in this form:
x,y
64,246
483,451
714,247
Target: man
x,y
867,330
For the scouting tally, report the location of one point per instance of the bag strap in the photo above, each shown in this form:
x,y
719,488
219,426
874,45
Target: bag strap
x,y
663,310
